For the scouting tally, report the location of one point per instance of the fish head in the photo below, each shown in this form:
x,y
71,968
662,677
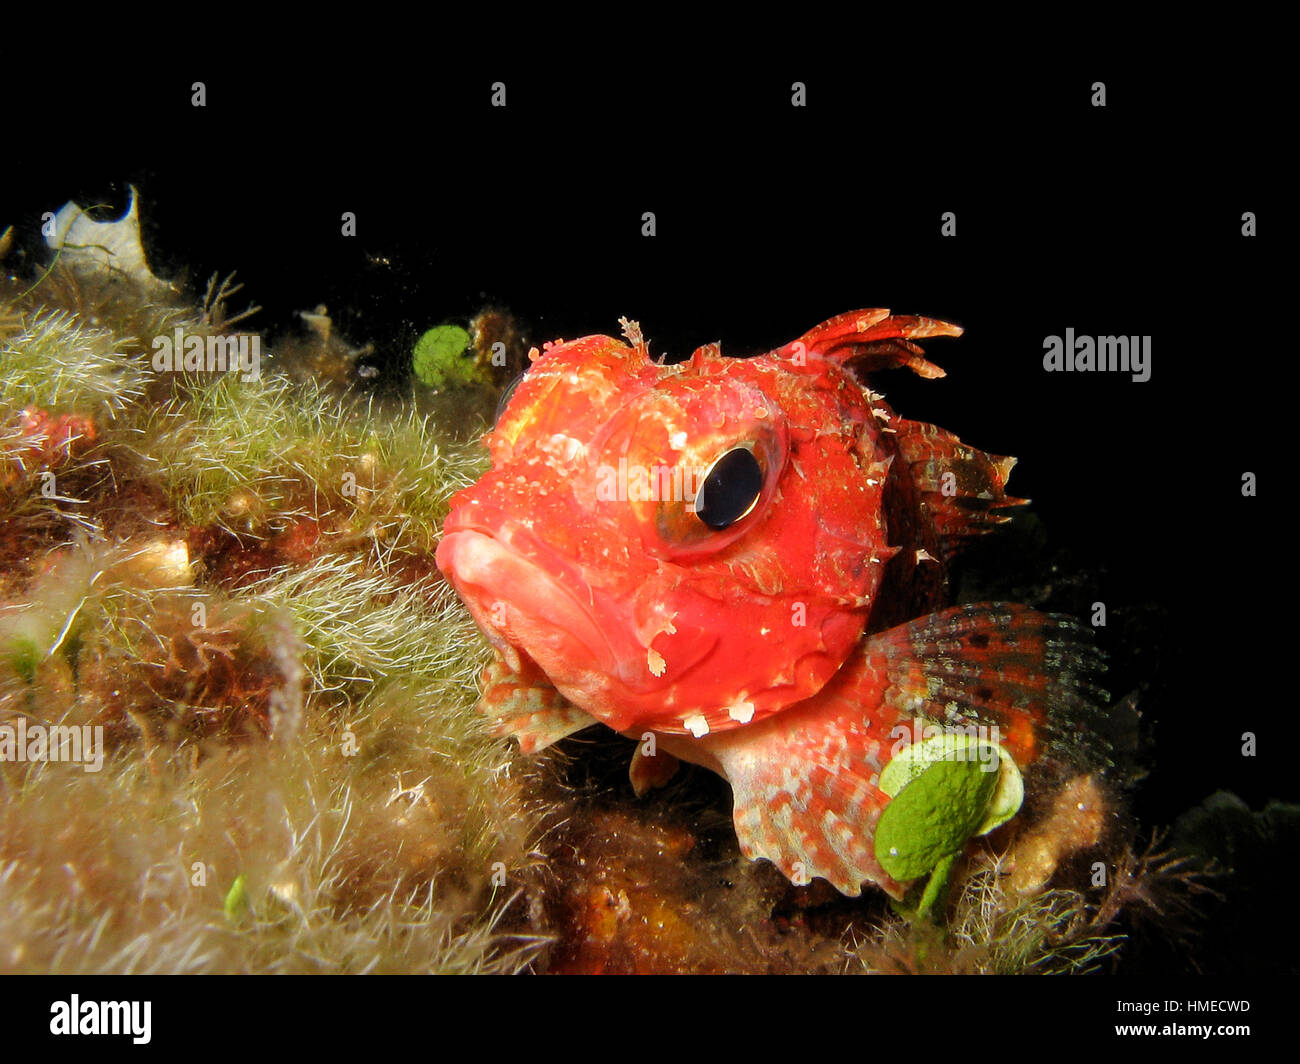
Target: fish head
x,y
679,548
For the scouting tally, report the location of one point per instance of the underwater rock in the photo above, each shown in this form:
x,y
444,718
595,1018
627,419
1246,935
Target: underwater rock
x,y
1225,828
636,894
1247,850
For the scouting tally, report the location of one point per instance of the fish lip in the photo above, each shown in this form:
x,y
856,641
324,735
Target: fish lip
x,y
484,567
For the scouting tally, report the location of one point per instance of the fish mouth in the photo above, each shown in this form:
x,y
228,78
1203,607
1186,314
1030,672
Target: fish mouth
x,y
525,598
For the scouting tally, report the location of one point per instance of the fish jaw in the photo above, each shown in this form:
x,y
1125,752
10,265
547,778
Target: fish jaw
x,y
521,605
482,569
594,641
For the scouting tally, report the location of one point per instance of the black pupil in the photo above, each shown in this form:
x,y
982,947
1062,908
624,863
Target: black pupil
x,y
730,489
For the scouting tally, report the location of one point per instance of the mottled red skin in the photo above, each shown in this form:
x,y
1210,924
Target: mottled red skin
x,y
731,596
741,649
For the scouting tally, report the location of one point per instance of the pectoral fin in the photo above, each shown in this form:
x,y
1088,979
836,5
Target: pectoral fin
x,y
648,771
806,780
531,710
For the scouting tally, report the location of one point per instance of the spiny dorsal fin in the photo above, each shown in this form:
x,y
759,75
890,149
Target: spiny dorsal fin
x,y
960,488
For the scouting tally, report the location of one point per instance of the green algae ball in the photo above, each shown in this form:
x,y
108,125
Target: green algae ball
x,y
944,792
441,359
913,760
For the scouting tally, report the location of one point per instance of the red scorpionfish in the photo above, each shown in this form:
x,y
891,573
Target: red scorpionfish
x,y
740,558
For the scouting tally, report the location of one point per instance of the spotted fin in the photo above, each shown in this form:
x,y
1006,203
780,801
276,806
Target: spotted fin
x,y
1029,673
532,711
806,780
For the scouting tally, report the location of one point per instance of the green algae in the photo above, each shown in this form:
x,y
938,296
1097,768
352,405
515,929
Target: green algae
x,y
932,817
442,359
302,520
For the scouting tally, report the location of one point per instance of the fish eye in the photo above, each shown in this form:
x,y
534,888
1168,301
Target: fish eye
x,y
714,461
730,489
504,401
